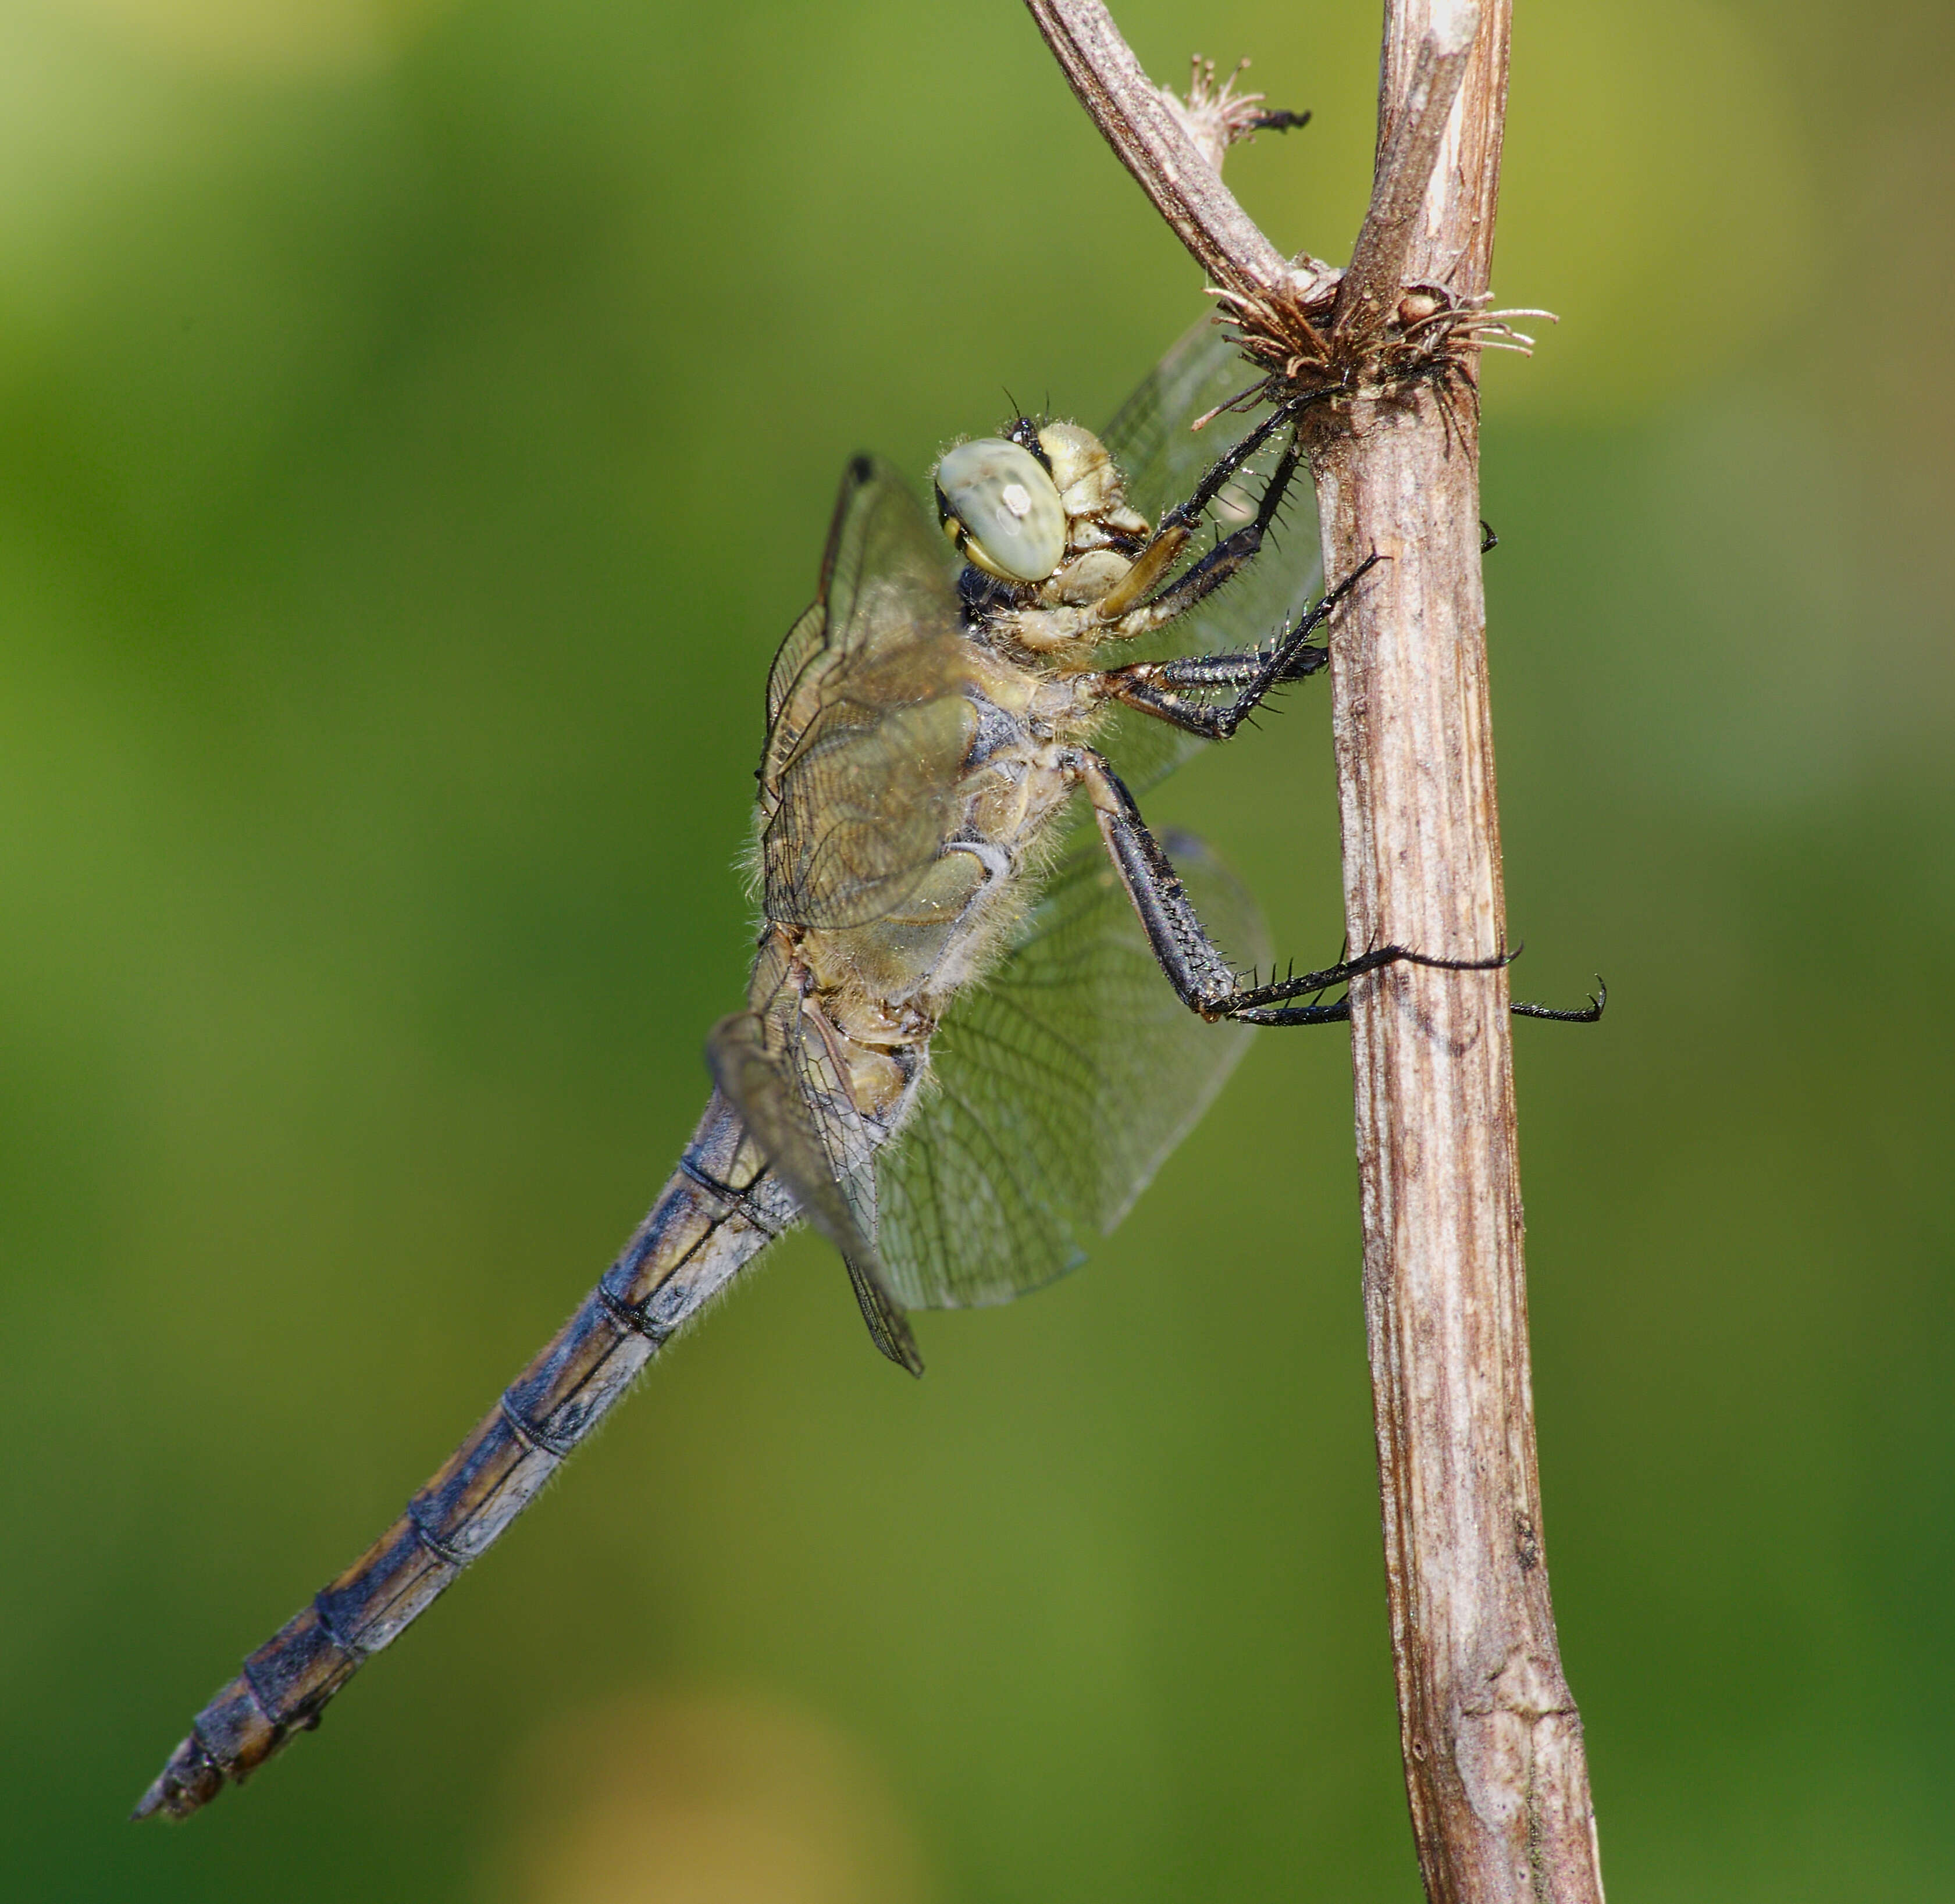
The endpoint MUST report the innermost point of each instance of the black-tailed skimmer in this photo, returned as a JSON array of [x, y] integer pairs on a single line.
[[986, 1002]]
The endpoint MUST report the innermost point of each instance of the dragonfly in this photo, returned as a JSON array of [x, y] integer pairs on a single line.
[[987, 999]]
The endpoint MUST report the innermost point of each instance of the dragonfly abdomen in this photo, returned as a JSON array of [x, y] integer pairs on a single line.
[[702, 1231]]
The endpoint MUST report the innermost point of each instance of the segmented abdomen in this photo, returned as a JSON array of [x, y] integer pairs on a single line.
[[703, 1230]]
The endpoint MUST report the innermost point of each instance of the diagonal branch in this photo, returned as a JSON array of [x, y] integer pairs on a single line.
[[1149, 140]]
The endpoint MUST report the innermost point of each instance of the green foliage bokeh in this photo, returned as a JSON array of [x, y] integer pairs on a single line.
[[417, 425]]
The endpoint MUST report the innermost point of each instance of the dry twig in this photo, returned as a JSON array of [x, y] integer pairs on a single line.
[[1494, 1764]]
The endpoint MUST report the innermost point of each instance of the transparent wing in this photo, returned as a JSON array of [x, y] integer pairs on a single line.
[[868, 724], [1164, 459], [1059, 1087], [887, 581], [863, 808], [804, 640], [774, 1067]]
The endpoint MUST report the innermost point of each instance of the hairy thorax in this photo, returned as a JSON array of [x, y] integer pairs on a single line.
[[981, 727], [894, 977]]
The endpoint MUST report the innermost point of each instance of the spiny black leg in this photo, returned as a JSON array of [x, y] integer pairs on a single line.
[[1337, 1012], [1187, 514], [1250, 998], [1227, 560], [1161, 688], [1134, 594], [1238, 670], [1588, 1014], [1201, 976], [1340, 1010], [1194, 965]]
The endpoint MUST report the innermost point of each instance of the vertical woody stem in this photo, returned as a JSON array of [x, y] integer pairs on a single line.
[[1494, 1764]]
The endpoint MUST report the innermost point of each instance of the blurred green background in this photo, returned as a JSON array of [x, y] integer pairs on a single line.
[[418, 423]]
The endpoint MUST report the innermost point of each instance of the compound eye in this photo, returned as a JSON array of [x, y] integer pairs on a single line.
[[999, 506]]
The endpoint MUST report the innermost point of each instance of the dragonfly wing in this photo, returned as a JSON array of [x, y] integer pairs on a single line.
[[862, 809], [1059, 1087], [805, 640], [888, 575], [1164, 459], [886, 582], [775, 1068], [868, 724]]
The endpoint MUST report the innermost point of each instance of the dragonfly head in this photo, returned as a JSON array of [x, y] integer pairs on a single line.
[[1017, 506]]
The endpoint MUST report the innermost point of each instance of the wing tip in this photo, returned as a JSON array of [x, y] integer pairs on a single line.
[[888, 1329]]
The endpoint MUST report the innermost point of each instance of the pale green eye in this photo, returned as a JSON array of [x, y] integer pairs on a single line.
[[998, 505]]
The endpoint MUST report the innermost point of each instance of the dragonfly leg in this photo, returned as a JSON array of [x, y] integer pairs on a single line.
[[1188, 514], [1588, 1014], [1338, 1010], [1166, 689], [1196, 967], [1128, 610]]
